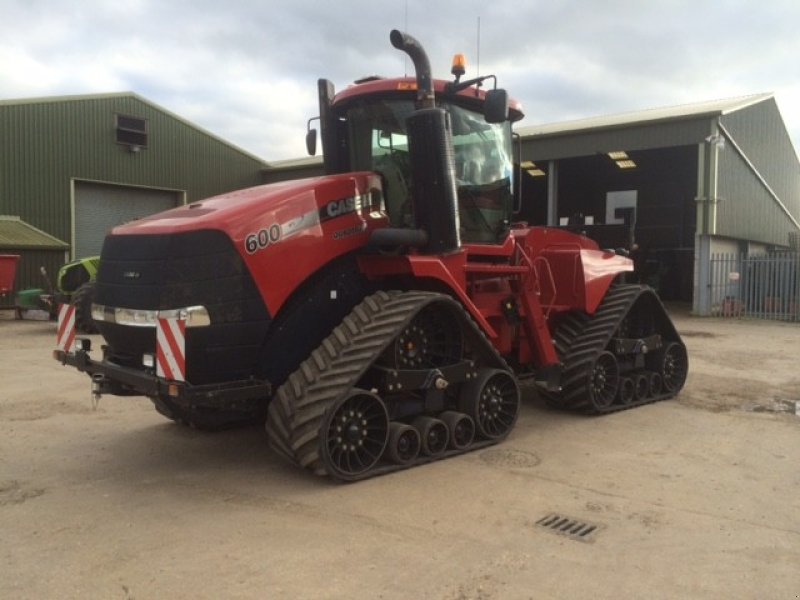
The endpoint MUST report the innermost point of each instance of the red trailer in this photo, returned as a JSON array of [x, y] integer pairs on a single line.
[[8, 270]]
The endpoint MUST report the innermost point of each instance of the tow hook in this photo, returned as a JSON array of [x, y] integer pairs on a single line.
[[97, 386]]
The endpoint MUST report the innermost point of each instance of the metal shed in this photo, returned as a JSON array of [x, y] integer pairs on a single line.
[[75, 166], [36, 249], [704, 178]]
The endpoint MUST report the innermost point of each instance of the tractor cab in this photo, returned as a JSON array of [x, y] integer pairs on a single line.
[[365, 128], [378, 141]]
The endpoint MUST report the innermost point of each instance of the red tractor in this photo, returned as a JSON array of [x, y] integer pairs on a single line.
[[383, 315]]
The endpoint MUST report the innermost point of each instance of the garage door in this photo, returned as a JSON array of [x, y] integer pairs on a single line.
[[100, 207]]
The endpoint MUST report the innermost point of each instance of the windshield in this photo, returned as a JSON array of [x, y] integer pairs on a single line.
[[377, 142]]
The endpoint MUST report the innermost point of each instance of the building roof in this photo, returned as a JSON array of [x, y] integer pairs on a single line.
[[710, 108], [108, 96], [295, 163], [16, 234]]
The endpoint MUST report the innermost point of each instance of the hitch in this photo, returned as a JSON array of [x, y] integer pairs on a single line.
[[99, 384]]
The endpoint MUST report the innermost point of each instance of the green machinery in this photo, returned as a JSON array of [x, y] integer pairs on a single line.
[[74, 285]]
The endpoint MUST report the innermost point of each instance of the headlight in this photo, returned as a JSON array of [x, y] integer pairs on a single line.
[[195, 316]]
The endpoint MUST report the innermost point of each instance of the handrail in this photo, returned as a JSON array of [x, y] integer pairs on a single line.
[[547, 306], [537, 286]]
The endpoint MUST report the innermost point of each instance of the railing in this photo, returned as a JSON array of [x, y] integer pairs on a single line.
[[759, 286]]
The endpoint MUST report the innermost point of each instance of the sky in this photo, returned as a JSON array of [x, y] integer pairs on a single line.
[[246, 70]]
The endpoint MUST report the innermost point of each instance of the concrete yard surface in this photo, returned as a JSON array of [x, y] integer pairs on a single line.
[[696, 497]]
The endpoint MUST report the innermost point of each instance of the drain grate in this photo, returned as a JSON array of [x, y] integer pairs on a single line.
[[583, 531]]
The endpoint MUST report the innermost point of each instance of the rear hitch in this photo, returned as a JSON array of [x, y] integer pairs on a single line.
[[99, 385]]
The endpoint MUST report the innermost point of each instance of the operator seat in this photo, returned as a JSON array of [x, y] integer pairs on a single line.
[[396, 190]]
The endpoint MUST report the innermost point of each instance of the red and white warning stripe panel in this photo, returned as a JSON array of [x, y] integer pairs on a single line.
[[171, 349], [65, 338]]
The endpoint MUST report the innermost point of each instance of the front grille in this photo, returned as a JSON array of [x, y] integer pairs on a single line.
[[163, 272]]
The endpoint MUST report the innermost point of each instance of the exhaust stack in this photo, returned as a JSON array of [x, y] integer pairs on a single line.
[[430, 146], [422, 66]]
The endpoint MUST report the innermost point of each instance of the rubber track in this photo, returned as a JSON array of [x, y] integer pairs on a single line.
[[570, 327], [297, 411], [593, 339]]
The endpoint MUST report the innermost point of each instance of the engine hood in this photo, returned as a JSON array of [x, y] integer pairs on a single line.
[[284, 231], [239, 209]]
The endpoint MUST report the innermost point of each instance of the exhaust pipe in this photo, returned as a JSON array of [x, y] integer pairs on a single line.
[[422, 66], [430, 145]]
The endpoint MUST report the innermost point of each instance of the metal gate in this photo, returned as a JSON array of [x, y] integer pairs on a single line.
[[761, 286]]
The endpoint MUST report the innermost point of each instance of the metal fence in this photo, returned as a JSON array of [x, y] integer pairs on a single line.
[[760, 286]]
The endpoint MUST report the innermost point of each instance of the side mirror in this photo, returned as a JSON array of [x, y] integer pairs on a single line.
[[311, 142], [495, 106]]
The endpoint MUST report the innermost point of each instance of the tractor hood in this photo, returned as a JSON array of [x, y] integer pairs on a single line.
[[283, 231], [238, 210]]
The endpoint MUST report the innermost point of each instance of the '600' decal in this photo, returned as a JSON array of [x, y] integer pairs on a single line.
[[262, 238]]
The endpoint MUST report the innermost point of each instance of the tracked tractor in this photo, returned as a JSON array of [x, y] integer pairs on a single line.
[[383, 315]]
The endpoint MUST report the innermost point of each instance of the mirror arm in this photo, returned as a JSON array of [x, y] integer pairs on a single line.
[[455, 87]]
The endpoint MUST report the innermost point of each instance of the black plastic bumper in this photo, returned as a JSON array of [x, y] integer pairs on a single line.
[[111, 378]]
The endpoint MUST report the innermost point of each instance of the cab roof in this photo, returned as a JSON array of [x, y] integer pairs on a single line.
[[471, 97]]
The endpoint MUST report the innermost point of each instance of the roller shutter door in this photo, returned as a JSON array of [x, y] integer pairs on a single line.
[[100, 207]]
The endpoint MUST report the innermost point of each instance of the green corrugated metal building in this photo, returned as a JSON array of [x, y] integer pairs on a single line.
[[75, 166]]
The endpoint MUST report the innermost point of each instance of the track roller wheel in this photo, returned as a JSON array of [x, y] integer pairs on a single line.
[[433, 434], [642, 389], [355, 434], [603, 380], [461, 428], [492, 401], [432, 339], [627, 390], [404, 443], [656, 383], [673, 366]]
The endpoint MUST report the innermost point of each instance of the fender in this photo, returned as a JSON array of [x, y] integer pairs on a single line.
[[576, 272]]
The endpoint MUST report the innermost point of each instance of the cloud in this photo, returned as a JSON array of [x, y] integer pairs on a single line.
[[247, 70]]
